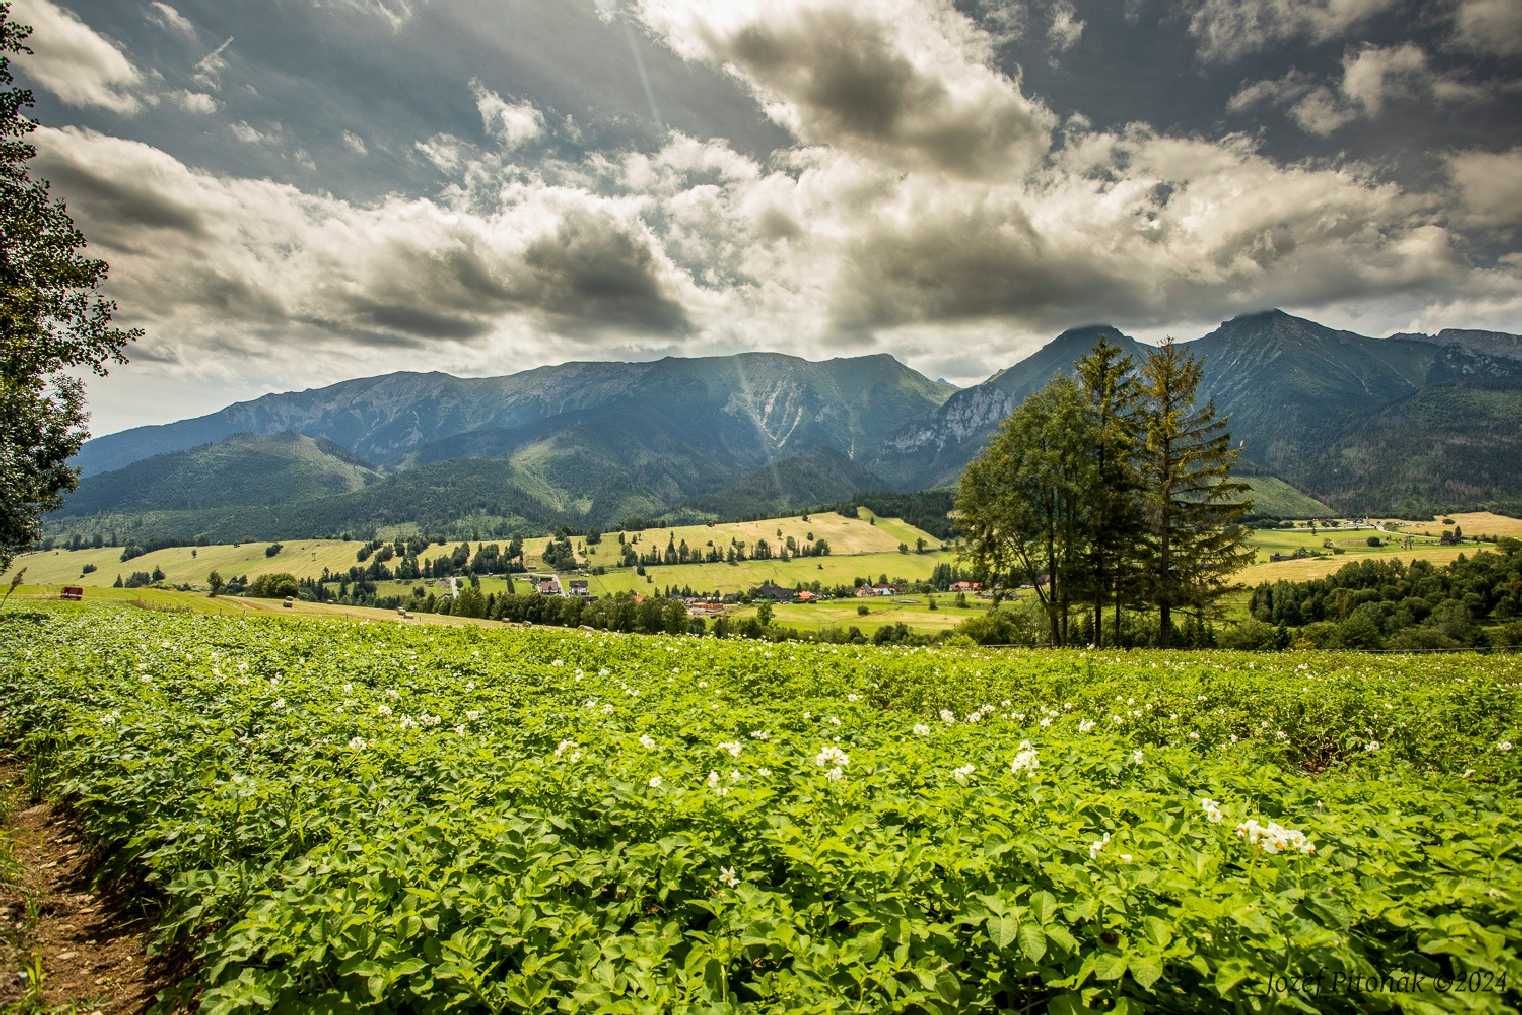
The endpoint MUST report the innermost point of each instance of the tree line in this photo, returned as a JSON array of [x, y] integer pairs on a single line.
[[1110, 493]]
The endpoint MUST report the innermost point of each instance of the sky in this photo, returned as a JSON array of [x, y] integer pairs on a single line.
[[295, 192]]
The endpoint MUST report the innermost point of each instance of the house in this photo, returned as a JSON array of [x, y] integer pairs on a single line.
[[772, 593], [704, 608], [966, 586], [884, 590], [579, 588], [72, 592], [547, 585], [805, 596]]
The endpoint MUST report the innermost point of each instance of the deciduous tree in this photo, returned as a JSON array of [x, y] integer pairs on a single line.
[[52, 319]]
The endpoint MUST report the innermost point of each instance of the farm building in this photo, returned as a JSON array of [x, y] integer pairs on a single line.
[[965, 586], [772, 593]]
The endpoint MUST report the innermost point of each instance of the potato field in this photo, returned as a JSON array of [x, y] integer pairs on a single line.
[[331, 816]]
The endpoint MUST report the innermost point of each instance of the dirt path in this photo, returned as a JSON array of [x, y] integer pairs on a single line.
[[92, 958]]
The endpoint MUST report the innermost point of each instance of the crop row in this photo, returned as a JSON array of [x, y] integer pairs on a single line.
[[335, 816]]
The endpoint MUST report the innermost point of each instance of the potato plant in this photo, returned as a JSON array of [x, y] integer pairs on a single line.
[[337, 817]]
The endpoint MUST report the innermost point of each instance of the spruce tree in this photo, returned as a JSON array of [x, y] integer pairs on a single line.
[[1191, 507], [1110, 386]]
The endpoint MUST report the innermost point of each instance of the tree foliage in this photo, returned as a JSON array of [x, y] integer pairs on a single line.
[[52, 320], [1113, 489]]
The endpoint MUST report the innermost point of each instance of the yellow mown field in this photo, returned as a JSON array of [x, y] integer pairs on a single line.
[[1474, 523]]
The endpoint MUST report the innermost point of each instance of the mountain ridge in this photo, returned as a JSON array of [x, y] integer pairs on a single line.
[[1321, 408]]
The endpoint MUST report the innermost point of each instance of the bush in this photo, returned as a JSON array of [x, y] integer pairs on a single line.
[[861, 610], [1254, 636], [1372, 541], [273, 549], [274, 586]]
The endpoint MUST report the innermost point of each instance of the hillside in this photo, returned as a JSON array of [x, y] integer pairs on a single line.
[[278, 468], [579, 444], [1329, 421], [1358, 423]]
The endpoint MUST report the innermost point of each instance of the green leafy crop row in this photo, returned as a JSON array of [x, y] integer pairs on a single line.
[[333, 817]]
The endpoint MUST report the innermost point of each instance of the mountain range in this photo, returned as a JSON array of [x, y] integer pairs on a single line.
[[1411, 424]]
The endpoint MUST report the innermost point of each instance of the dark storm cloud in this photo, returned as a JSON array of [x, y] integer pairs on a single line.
[[594, 275], [120, 206], [852, 83]]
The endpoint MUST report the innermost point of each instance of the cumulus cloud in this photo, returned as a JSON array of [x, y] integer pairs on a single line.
[[447, 153], [1489, 26], [76, 63], [1228, 29], [1066, 28], [171, 20], [245, 266], [195, 102], [911, 83], [1372, 76], [249, 134], [513, 124], [1490, 185], [355, 143]]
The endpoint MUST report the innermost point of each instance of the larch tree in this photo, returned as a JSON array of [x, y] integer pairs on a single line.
[[1191, 506], [52, 320]]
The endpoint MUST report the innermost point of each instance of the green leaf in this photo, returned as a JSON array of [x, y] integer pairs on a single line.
[[1110, 966], [1032, 941]]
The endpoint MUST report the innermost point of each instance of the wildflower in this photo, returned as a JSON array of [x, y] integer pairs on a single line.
[[564, 746], [1212, 810], [1371, 746], [728, 878], [732, 747], [920, 729], [962, 774], [1504, 746], [1274, 838], [853, 698], [1137, 757], [655, 782], [1025, 761], [1097, 845], [647, 741], [1085, 725], [832, 756], [358, 743]]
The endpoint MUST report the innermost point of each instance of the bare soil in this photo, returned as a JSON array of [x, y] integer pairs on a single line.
[[92, 955]]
